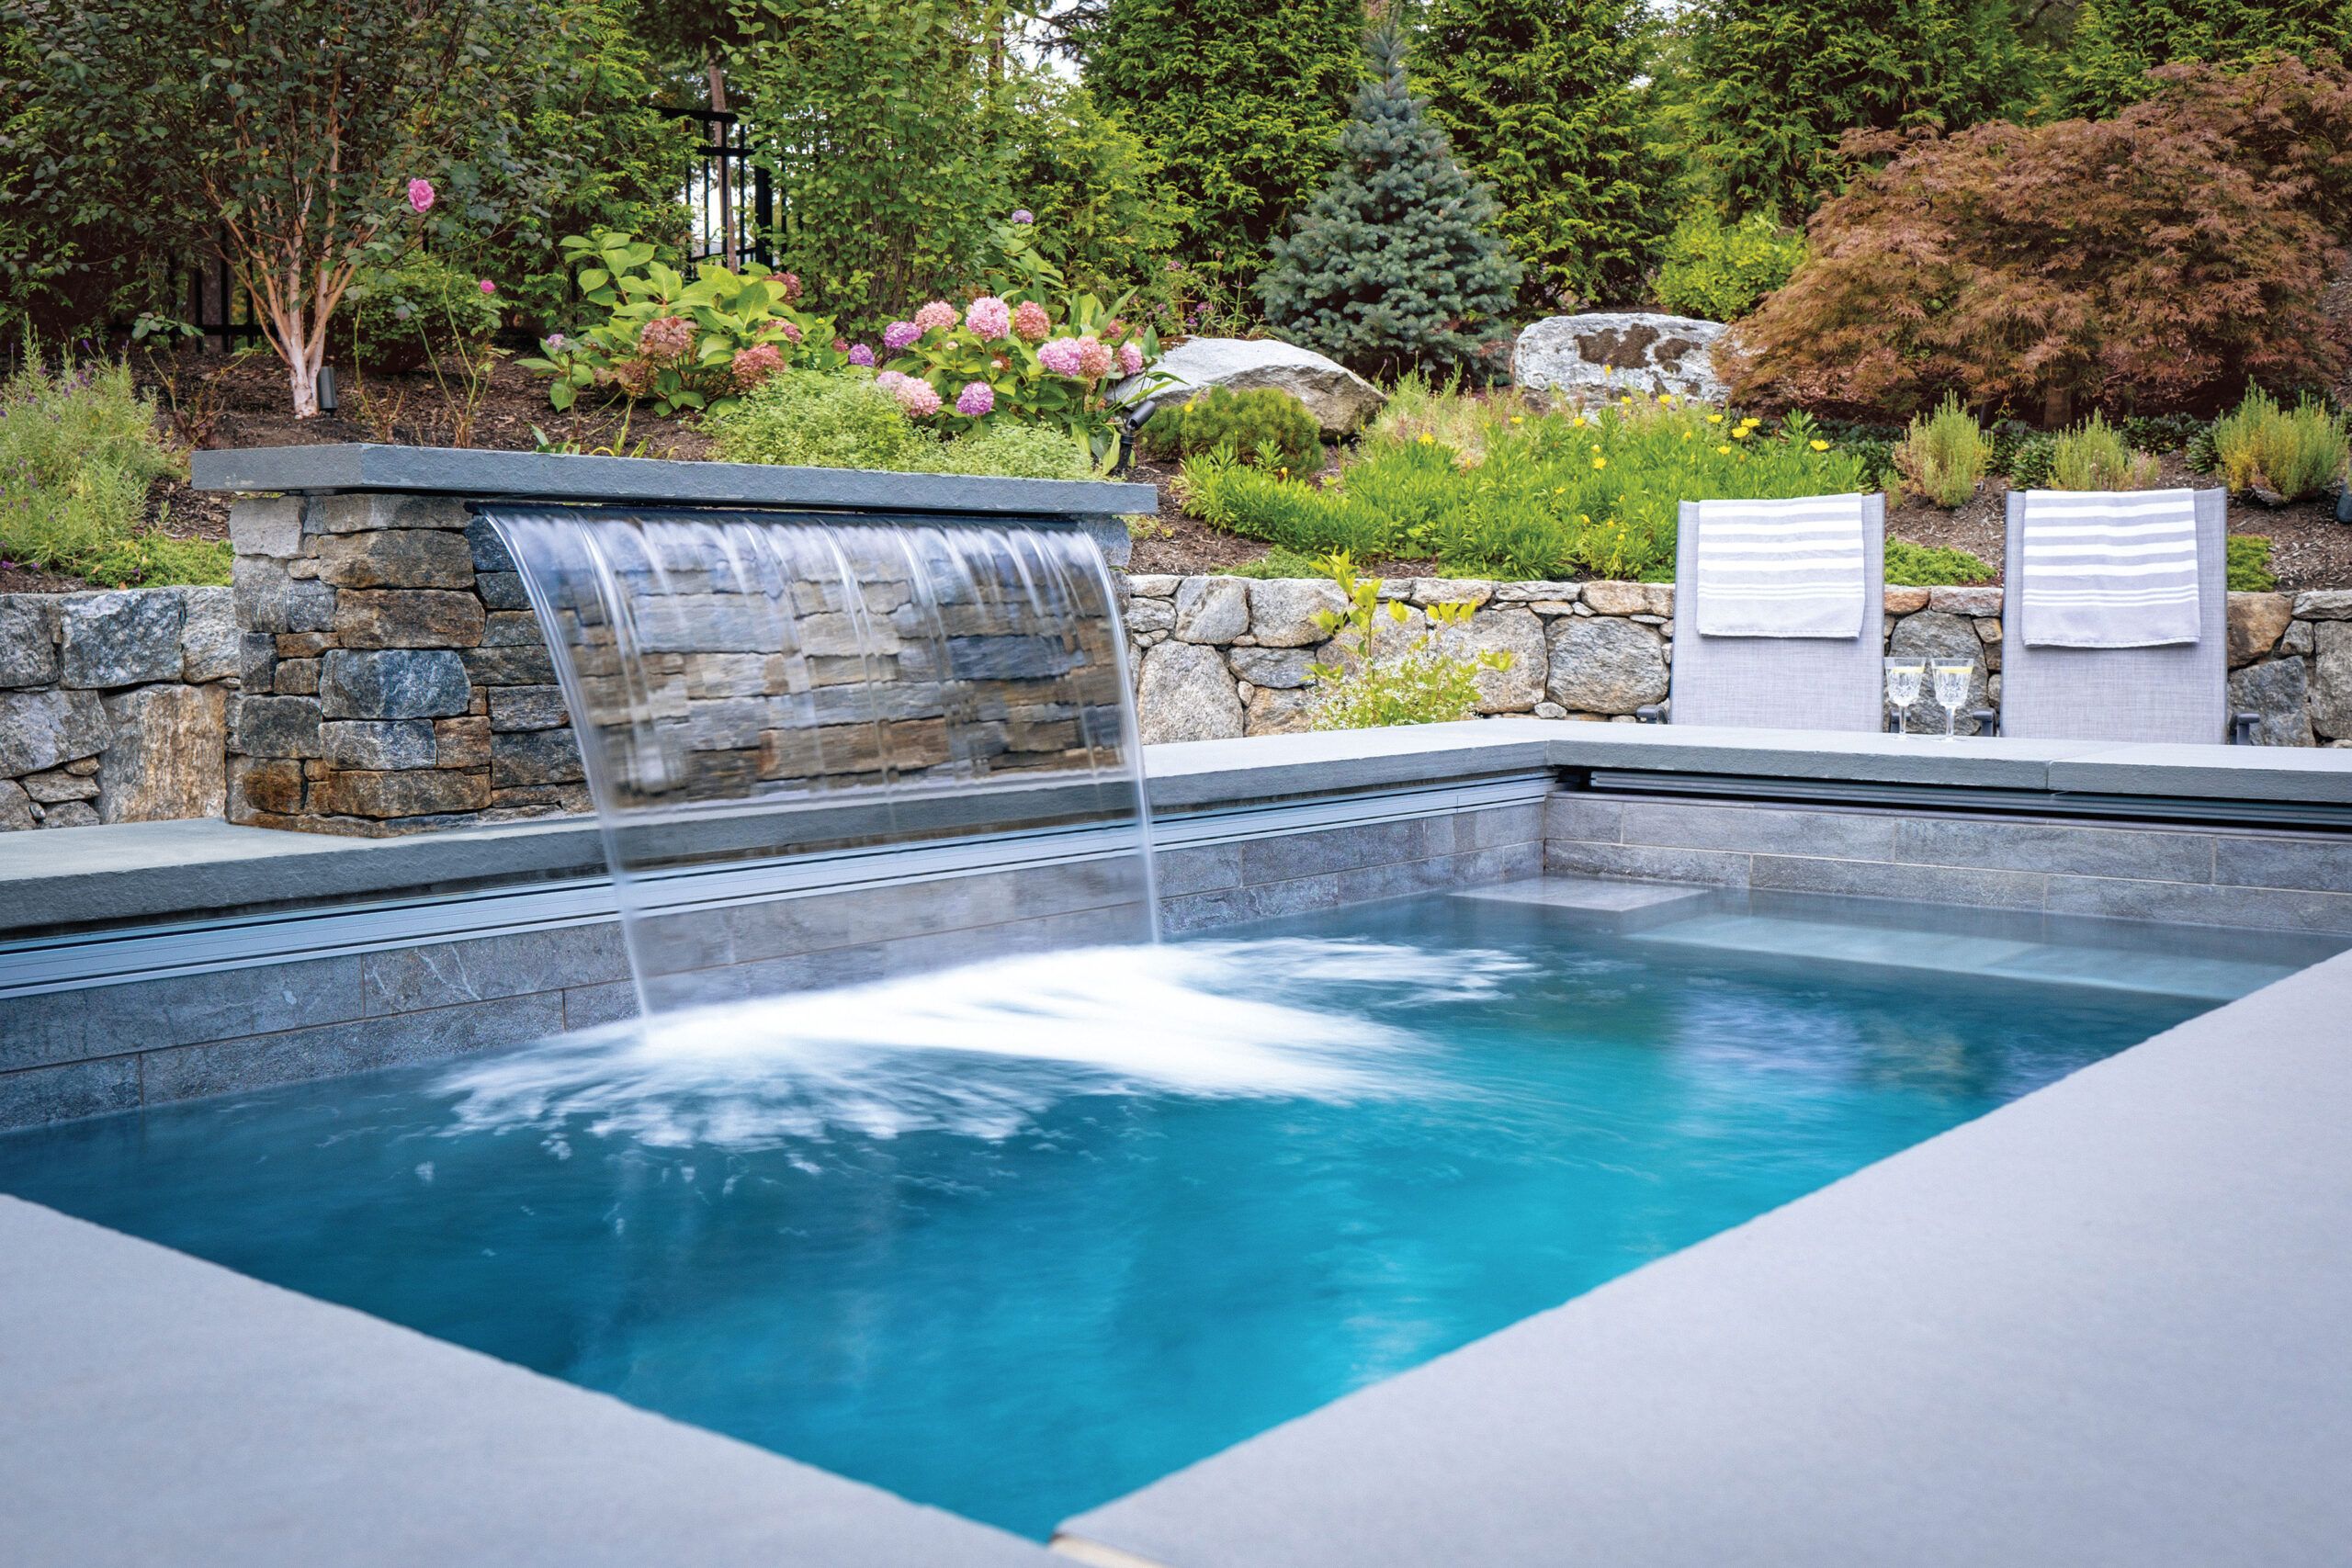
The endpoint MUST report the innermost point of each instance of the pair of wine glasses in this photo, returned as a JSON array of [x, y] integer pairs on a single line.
[[1948, 679]]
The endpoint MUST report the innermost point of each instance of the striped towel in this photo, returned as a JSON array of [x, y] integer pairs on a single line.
[[2110, 571], [1781, 568]]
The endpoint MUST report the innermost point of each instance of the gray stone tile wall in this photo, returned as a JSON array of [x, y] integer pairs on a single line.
[[2274, 880]]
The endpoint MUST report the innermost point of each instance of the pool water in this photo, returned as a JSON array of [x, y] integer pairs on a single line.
[[1019, 1238]]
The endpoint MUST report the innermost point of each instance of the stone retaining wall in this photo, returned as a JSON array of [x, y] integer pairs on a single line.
[[1218, 657], [113, 704]]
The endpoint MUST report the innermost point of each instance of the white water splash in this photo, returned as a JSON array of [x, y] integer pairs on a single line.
[[983, 1049]]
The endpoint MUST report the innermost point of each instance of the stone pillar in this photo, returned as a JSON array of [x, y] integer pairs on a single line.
[[394, 679]]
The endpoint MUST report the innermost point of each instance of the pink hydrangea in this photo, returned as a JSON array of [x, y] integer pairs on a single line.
[[1094, 357], [938, 313], [756, 365], [977, 401], [420, 195], [862, 354], [791, 331], [666, 339], [915, 394], [789, 282], [898, 335], [1030, 323], [988, 317], [1061, 356], [1131, 358], [1023, 216]]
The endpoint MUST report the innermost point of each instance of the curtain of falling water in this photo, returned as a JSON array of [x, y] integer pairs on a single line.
[[766, 702]]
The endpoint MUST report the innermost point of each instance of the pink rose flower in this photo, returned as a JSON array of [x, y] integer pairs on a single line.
[[938, 313], [989, 317], [488, 287], [1030, 323], [420, 195], [976, 399]]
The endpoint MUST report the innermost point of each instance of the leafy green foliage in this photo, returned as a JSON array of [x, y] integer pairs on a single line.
[[1375, 677], [1238, 101], [674, 344], [282, 137], [1541, 102], [2249, 564], [1105, 218], [1922, 566], [1717, 271], [399, 318], [1776, 82], [2032, 461], [808, 419], [2095, 455], [2117, 43], [1944, 456], [1553, 496], [1395, 263], [78, 451], [1277, 562], [2049, 268], [1263, 425], [2287, 454]]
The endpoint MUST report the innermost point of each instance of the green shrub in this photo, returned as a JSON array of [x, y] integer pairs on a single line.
[[2094, 456], [1380, 675], [1012, 450], [1718, 272], [807, 419], [2287, 454], [397, 318], [1395, 264], [2032, 461], [78, 451], [1263, 425], [2162, 431], [1922, 566], [2248, 563], [1942, 456], [1276, 562], [1550, 495]]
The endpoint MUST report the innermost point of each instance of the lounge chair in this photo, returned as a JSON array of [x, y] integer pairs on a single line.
[[1778, 682], [2176, 691]]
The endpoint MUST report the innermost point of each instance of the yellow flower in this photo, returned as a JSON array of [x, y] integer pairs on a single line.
[[1723, 451], [1714, 419], [1627, 401], [1577, 421], [1740, 434], [1601, 462], [1517, 419], [1427, 439], [1821, 446], [1562, 490], [1686, 435], [1667, 398]]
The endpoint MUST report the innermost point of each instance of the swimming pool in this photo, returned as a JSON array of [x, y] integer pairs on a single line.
[[1017, 1238]]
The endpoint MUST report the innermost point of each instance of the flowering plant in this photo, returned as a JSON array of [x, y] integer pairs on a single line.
[[1026, 347], [675, 343]]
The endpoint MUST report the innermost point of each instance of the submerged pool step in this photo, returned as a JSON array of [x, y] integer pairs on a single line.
[[1611, 906], [2108, 968]]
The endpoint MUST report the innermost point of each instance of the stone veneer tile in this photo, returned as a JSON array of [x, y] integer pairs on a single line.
[[2270, 909], [110, 1020], [1849, 835], [39, 1095], [1233, 906], [1283, 856], [513, 963], [1720, 868], [1578, 816], [1877, 879], [2318, 864], [586, 1007], [1487, 827], [2012, 845], [186, 1072], [1196, 868]]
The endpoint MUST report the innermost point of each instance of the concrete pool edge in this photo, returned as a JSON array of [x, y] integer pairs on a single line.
[[2102, 1323]]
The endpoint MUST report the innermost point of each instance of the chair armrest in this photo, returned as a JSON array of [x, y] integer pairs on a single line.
[[1988, 720], [1650, 713], [2242, 728]]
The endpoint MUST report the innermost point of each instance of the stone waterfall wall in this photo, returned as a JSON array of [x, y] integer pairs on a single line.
[[1217, 657], [113, 704]]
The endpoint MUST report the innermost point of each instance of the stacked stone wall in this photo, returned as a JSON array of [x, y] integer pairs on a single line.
[[113, 705]]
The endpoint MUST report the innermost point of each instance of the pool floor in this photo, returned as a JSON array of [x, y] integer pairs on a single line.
[[1017, 1239]]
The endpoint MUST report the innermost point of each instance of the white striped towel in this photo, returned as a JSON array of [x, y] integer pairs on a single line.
[[1781, 568], [2113, 570]]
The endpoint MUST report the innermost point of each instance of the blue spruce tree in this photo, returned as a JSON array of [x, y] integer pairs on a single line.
[[1395, 264]]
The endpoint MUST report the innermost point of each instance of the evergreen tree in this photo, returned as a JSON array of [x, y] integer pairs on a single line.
[[1396, 263], [1776, 83], [1541, 101], [1238, 101], [2117, 42]]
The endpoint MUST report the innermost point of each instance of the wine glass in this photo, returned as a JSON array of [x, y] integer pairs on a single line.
[[1904, 675], [1951, 678]]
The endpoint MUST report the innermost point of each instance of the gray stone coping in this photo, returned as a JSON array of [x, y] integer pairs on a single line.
[[651, 481], [160, 869], [175, 1412], [2104, 1324]]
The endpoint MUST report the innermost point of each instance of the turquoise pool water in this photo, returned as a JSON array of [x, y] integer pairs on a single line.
[[1017, 1239]]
